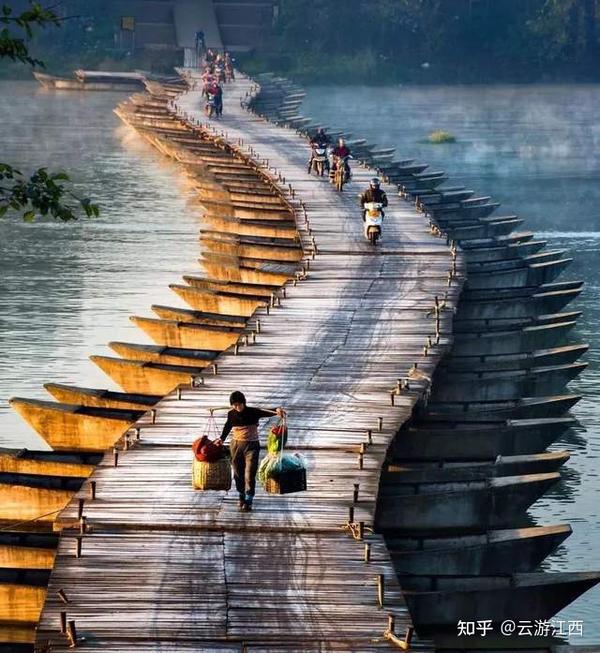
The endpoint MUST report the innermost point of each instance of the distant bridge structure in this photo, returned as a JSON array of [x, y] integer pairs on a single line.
[[234, 25]]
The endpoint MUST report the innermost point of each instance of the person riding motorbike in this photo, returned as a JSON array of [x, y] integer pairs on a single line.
[[229, 72], [373, 194], [319, 140], [214, 96], [341, 153]]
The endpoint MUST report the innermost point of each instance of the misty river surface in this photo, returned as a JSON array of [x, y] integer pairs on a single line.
[[67, 290]]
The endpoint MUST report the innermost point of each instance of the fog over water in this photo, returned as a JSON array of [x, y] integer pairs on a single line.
[[67, 290]]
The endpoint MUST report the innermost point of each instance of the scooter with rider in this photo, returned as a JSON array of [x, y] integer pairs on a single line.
[[372, 202]]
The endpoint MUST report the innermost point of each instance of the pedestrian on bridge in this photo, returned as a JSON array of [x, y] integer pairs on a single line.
[[245, 446]]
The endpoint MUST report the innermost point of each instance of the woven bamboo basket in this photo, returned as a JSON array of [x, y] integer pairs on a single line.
[[211, 476], [287, 482]]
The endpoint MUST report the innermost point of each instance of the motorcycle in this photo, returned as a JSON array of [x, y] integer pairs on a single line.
[[319, 159], [373, 213], [211, 105], [341, 174]]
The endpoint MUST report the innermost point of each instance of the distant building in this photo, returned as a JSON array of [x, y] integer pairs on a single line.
[[234, 25]]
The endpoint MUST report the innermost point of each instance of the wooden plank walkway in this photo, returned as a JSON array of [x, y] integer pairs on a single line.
[[164, 567]]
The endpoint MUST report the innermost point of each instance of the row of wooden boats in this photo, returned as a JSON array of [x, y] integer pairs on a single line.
[[504, 380], [462, 473], [245, 265]]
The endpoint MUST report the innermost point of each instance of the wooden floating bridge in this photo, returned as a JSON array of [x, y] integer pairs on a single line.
[[295, 308], [348, 348]]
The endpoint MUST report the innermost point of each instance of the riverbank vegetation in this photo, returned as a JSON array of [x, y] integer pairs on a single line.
[[433, 41], [366, 41]]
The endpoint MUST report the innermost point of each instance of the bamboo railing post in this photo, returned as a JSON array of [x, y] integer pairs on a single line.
[[380, 589], [72, 634], [62, 596], [367, 555], [63, 622], [355, 494], [92, 487], [361, 530]]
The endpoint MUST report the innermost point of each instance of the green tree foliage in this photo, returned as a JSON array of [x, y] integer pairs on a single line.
[[42, 193], [463, 40]]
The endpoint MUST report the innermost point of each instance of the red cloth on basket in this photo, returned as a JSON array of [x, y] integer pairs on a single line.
[[207, 451]]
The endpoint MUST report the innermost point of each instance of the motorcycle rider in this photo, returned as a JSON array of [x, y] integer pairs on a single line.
[[320, 139], [341, 152], [373, 194]]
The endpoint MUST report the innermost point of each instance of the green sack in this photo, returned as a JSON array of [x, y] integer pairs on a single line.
[[277, 437]]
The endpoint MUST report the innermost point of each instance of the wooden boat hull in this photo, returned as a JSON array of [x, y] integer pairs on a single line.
[[18, 462], [217, 268], [511, 261], [21, 604], [528, 292], [248, 228], [491, 254], [188, 335], [202, 300], [68, 84], [234, 248], [525, 408], [514, 341], [532, 275], [166, 355], [500, 324], [542, 303], [399, 475], [477, 441], [26, 557], [499, 385], [67, 426], [516, 598], [100, 398], [564, 355], [20, 502], [27, 550], [495, 552], [231, 287], [446, 216], [198, 317], [246, 212], [497, 503], [142, 377], [484, 229]]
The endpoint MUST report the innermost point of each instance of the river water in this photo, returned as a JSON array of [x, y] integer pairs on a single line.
[[66, 290]]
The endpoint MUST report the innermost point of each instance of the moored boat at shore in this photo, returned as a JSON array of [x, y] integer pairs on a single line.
[[85, 80]]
